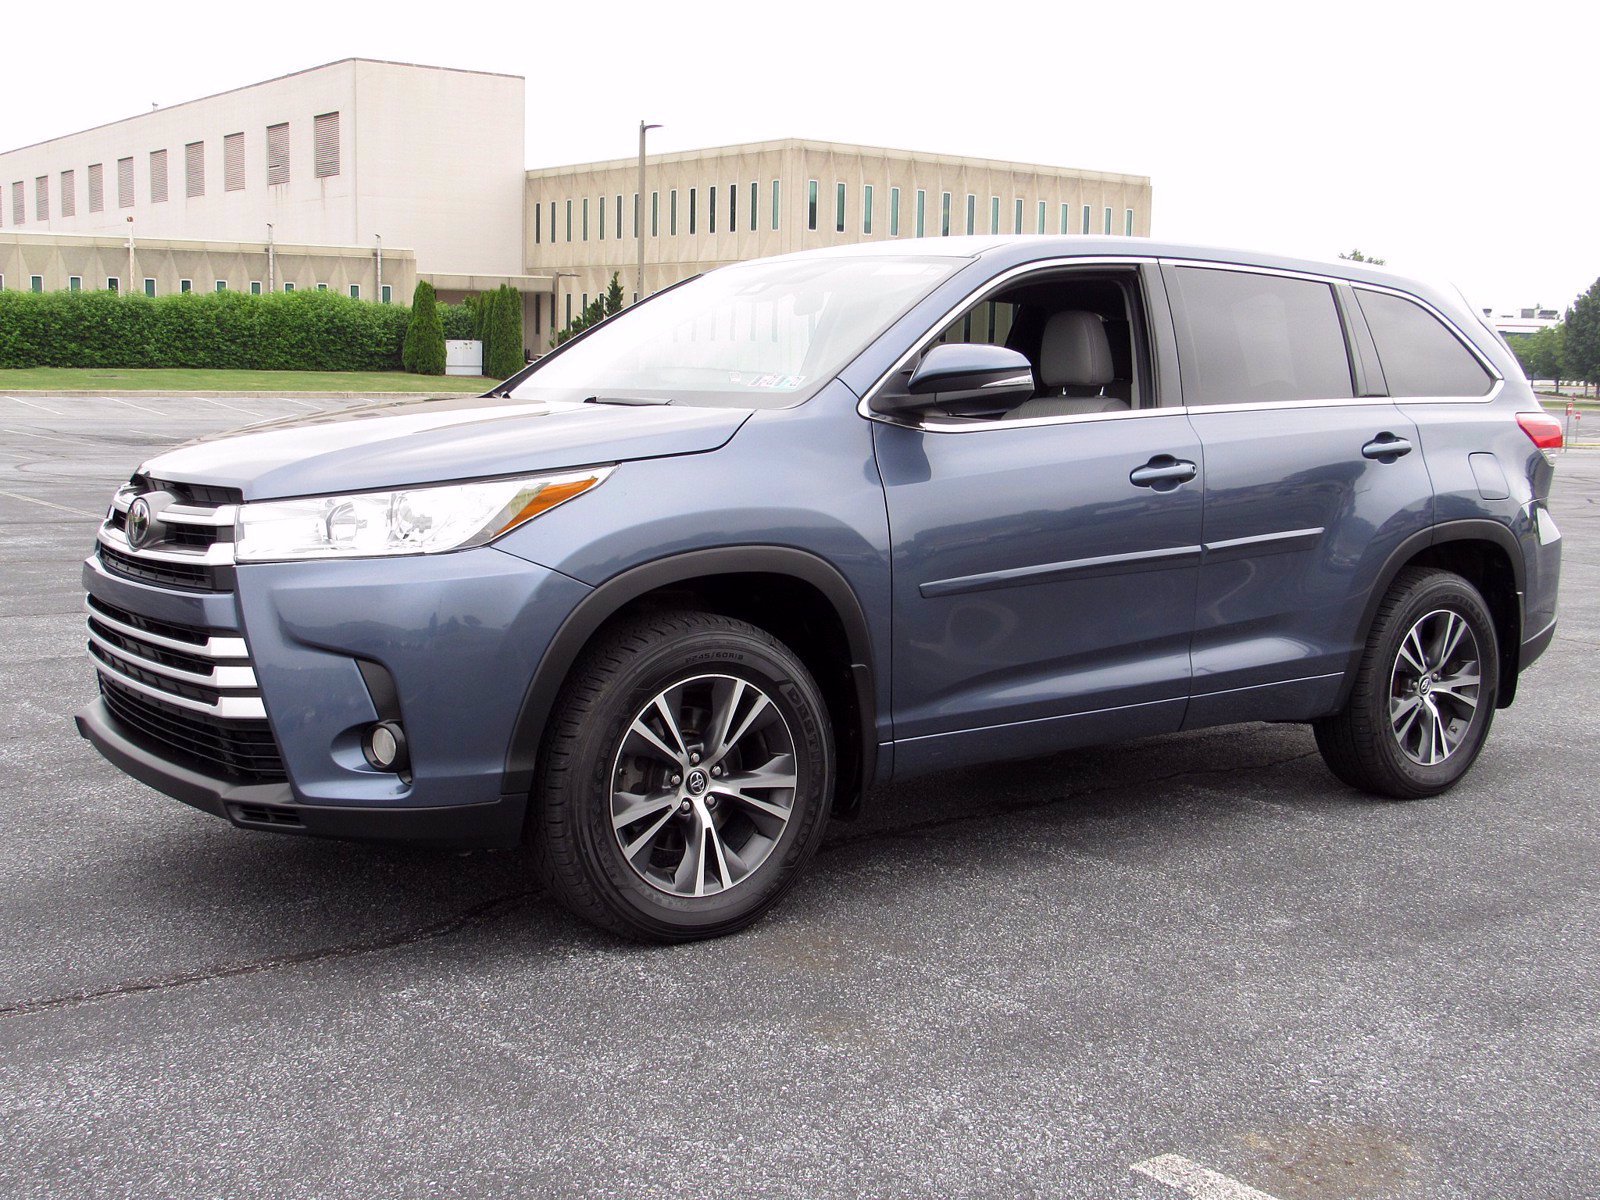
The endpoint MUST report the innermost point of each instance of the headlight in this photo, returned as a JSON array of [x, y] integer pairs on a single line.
[[423, 520]]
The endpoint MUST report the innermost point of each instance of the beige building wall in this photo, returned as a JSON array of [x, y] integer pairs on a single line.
[[674, 250], [161, 266], [428, 158]]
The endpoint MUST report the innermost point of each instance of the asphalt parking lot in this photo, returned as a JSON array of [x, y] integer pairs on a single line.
[[1012, 982]]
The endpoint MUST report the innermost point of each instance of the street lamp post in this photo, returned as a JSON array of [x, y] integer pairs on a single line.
[[638, 216]]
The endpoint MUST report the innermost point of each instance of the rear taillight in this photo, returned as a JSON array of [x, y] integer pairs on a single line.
[[1543, 430]]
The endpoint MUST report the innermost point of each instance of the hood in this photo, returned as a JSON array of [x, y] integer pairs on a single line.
[[434, 441]]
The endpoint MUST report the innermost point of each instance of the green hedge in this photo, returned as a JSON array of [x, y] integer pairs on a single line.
[[296, 331]]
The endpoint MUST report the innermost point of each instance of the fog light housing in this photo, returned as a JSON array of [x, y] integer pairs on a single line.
[[385, 747]]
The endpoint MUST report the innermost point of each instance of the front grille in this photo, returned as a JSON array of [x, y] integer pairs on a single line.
[[237, 749], [192, 577]]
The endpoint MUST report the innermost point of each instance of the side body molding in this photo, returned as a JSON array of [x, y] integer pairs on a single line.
[[611, 596]]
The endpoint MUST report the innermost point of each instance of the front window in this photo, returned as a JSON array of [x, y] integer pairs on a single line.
[[753, 335]]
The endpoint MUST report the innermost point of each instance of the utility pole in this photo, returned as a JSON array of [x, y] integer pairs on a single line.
[[638, 216]]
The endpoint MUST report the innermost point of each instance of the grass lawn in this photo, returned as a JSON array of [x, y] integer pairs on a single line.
[[65, 379]]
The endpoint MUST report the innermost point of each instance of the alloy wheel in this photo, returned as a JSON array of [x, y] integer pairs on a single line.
[[1434, 687]]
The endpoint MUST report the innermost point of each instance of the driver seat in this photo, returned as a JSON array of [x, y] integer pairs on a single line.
[[1075, 366]]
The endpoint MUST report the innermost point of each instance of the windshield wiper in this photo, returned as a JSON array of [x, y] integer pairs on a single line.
[[627, 401]]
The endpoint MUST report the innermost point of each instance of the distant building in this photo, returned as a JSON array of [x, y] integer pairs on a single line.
[[1522, 321], [362, 177]]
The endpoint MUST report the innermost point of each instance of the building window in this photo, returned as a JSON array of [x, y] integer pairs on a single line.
[[75, 283], [693, 198], [585, 218], [1016, 215], [355, 291], [672, 214], [655, 214], [255, 287], [994, 214], [1127, 223], [922, 210], [569, 220], [36, 283], [113, 284], [1087, 218], [158, 177], [233, 163], [194, 170], [1041, 216], [569, 308], [866, 209], [325, 131], [387, 293], [838, 208], [1108, 220], [69, 193], [894, 212], [321, 287], [125, 183], [638, 227], [538, 223], [776, 205], [222, 285], [602, 218], [944, 214], [972, 214], [41, 198], [733, 208], [1066, 218], [711, 209], [288, 287], [553, 223], [755, 202], [97, 187], [149, 286], [185, 286], [277, 154], [811, 204]]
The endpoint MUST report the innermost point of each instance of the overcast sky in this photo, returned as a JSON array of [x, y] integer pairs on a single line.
[[1455, 140]]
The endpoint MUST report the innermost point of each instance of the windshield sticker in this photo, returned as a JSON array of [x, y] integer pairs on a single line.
[[774, 382]]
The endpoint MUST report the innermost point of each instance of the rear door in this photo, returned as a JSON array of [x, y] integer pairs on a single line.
[[1310, 486]]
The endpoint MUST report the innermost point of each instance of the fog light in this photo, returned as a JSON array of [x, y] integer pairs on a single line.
[[385, 746]]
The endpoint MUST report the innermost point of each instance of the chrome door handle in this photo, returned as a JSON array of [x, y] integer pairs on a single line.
[[1163, 472], [1386, 447]]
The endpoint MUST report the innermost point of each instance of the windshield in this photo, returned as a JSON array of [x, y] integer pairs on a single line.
[[754, 335]]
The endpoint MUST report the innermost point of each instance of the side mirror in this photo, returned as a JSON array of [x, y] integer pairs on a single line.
[[962, 371]]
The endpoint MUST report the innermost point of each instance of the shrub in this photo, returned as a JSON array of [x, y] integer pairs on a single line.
[[300, 331], [423, 353], [503, 355], [459, 322]]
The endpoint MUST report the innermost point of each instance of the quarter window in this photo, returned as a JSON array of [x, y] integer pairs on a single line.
[[1251, 338], [1420, 356]]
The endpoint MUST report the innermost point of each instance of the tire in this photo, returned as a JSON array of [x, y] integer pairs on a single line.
[[728, 799], [1414, 723]]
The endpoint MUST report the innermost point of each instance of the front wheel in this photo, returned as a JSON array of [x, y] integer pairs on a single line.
[[684, 778], [1424, 693]]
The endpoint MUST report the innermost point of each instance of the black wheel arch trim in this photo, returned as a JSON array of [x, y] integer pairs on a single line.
[[1449, 531], [610, 597]]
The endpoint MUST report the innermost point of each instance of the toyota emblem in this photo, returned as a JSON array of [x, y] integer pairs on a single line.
[[138, 522]]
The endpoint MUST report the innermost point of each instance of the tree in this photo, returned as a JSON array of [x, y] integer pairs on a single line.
[[1357, 256], [423, 352], [502, 353], [1541, 353], [594, 312], [1580, 351]]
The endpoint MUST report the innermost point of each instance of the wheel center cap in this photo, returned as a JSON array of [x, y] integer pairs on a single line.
[[696, 781], [1424, 685]]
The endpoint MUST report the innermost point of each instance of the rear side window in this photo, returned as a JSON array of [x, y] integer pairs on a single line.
[[1251, 339], [1420, 356]]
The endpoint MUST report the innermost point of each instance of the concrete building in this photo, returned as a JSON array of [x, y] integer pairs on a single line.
[[1520, 322], [362, 177], [707, 208]]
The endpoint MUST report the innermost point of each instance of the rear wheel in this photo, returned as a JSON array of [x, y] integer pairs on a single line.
[[684, 778], [1424, 694]]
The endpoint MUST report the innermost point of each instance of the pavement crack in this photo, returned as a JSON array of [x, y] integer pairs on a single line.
[[410, 937], [922, 829]]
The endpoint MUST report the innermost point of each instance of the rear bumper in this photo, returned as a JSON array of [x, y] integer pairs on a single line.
[[1536, 645], [272, 806]]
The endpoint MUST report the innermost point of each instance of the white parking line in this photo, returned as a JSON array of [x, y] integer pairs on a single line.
[[1189, 1178], [153, 411], [77, 512], [249, 412], [44, 437], [40, 407]]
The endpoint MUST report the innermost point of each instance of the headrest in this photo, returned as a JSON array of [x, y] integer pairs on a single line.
[[1075, 352]]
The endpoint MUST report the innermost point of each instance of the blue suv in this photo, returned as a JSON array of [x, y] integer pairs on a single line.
[[694, 582]]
